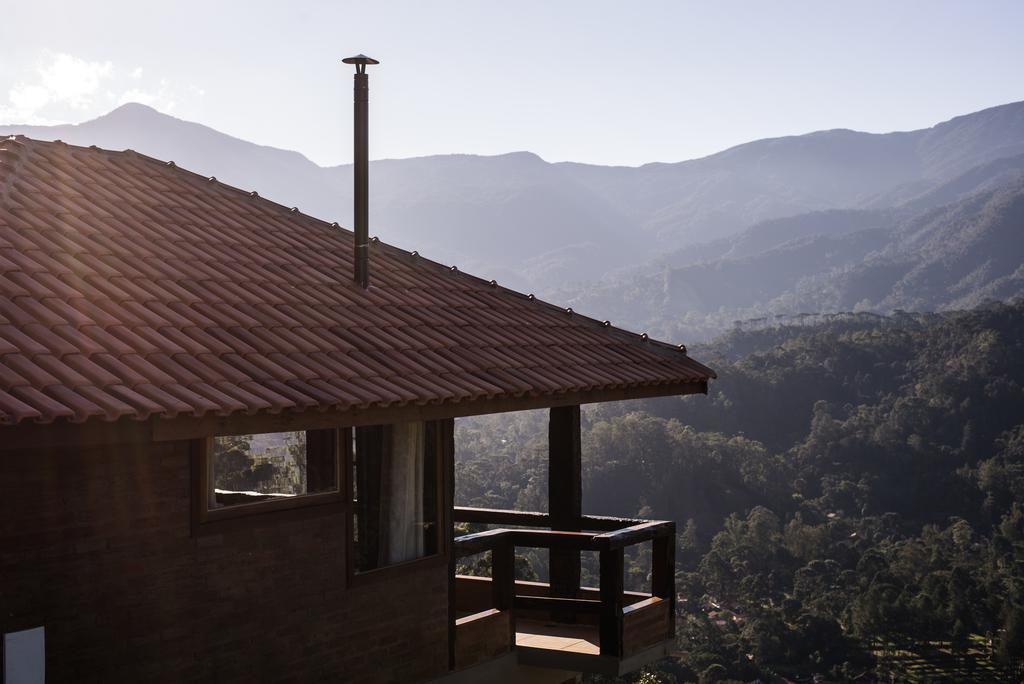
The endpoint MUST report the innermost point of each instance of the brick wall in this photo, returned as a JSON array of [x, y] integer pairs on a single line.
[[95, 545]]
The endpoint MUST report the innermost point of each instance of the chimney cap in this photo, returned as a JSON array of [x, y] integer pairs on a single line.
[[360, 59]]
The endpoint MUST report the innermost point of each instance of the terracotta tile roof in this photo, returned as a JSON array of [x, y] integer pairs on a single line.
[[132, 288]]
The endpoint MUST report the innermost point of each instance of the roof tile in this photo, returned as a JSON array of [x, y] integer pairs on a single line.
[[130, 288]]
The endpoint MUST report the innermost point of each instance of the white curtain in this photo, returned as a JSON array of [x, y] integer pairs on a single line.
[[404, 481]]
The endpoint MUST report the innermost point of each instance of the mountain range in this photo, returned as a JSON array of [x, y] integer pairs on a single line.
[[956, 246], [830, 220]]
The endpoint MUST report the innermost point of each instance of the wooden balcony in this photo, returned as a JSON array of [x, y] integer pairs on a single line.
[[604, 630]]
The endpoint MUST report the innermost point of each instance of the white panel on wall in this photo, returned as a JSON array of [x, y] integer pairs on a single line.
[[25, 657]]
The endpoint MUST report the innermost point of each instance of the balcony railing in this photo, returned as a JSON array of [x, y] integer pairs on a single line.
[[624, 623]]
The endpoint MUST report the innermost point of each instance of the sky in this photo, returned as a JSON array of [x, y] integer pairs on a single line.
[[571, 80]]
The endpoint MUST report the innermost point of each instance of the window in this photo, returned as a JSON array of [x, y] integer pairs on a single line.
[[395, 476], [259, 472]]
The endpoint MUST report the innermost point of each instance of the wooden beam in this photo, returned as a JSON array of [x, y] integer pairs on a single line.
[[565, 494], [633, 535], [447, 443], [500, 516], [564, 605], [187, 427], [503, 580], [482, 615], [469, 544], [478, 542], [607, 523], [494, 516], [554, 540], [610, 629], [663, 574]]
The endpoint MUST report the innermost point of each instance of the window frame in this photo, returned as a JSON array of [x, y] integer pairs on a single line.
[[441, 554], [206, 519]]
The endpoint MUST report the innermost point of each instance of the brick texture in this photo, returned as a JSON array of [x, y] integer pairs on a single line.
[[97, 547]]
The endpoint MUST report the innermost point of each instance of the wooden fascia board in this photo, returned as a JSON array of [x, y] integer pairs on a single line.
[[190, 428], [95, 432]]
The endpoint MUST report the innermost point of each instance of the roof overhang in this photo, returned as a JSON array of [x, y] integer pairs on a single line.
[[96, 432]]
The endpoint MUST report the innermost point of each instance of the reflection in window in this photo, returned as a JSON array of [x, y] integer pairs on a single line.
[[396, 510], [248, 469]]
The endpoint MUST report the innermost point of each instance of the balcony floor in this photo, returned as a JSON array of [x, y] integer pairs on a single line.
[[574, 648], [554, 636]]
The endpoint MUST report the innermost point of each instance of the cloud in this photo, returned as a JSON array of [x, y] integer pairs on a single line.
[[61, 80], [29, 98], [63, 86], [73, 80]]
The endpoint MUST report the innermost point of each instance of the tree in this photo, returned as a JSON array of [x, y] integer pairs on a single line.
[[713, 673], [1010, 650], [232, 463], [960, 640]]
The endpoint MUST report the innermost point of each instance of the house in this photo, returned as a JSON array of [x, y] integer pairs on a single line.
[[222, 459]]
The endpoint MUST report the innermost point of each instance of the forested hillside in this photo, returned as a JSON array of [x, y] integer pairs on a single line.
[[850, 487], [951, 248]]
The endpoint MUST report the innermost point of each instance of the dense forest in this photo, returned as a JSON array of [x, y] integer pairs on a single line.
[[848, 497]]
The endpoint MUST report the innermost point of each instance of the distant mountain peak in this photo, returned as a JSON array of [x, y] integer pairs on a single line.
[[522, 154], [131, 107], [133, 112]]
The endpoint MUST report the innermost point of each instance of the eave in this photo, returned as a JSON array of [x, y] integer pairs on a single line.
[[95, 432]]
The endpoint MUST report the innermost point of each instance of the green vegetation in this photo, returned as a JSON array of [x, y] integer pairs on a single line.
[[266, 463], [850, 497]]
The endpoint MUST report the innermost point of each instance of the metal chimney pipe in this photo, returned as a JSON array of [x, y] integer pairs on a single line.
[[361, 169]]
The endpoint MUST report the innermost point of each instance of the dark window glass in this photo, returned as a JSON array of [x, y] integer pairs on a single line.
[[248, 469], [395, 472]]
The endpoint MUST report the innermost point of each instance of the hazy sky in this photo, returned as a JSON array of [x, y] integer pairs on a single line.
[[595, 81]]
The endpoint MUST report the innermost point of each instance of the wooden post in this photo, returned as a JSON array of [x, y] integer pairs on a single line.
[[502, 573], [503, 581], [663, 574], [565, 495], [611, 602], [446, 440]]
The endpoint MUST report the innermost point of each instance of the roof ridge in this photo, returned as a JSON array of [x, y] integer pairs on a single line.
[[9, 168], [605, 325], [194, 176]]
